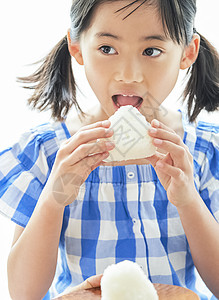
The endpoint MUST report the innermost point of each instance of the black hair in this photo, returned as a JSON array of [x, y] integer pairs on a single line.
[[202, 90], [54, 84]]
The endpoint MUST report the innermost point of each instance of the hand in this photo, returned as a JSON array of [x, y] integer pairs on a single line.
[[174, 169], [90, 283], [76, 158]]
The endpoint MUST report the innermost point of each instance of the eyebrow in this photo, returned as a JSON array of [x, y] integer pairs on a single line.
[[106, 34], [158, 37]]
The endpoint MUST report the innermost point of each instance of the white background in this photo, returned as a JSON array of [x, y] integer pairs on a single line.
[[29, 29]]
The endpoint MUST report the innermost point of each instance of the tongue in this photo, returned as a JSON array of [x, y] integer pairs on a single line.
[[126, 100]]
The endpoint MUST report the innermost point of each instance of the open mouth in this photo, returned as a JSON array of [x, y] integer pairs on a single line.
[[121, 100]]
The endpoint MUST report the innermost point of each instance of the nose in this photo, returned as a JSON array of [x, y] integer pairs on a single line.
[[129, 71]]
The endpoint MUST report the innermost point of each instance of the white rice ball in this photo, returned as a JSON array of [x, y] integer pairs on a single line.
[[126, 281], [130, 135]]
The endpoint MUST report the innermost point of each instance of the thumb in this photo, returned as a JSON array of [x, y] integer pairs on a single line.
[[93, 281], [154, 158]]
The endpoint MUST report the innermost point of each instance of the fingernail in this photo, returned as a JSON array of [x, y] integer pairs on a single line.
[[153, 130], [105, 154], [110, 145], [158, 142], [109, 132], [106, 122], [156, 123]]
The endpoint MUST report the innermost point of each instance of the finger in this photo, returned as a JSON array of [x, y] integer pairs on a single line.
[[86, 136], [85, 166], [86, 150], [92, 162], [178, 152], [94, 281], [166, 135], [167, 159], [91, 282], [154, 158], [105, 124], [168, 169], [99, 163], [157, 124]]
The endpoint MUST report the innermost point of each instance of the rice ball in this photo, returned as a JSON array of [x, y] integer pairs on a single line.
[[126, 281], [130, 136]]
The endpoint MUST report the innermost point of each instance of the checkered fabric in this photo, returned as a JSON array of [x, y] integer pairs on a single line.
[[120, 213]]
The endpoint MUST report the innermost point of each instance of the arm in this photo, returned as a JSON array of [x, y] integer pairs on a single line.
[[202, 232], [33, 257], [175, 171], [32, 260]]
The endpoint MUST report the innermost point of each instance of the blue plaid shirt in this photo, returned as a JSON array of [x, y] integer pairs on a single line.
[[120, 213]]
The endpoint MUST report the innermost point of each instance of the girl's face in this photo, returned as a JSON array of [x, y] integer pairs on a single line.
[[129, 61]]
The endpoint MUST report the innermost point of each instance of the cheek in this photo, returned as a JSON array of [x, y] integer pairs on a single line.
[[95, 79], [169, 79], [98, 74], [166, 78], [93, 73]]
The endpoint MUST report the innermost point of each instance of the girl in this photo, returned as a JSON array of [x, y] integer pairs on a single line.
[[76, 214]]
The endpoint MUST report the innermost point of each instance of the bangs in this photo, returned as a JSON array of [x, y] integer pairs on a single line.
[[177, 16], [173, 18]]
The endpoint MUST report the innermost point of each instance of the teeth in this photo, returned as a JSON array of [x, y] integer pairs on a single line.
[[128, 95]]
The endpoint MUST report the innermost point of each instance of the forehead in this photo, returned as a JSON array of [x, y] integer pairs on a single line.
[[127, 7], [136, 17]]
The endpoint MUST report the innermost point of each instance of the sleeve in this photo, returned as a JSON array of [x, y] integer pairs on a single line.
[[23, 173], [209, 174]]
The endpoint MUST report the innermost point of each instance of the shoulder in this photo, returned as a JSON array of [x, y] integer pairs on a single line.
[[49, 131], [36, 146], [200, 135], [25, 167], [202, 138], [46, 134]]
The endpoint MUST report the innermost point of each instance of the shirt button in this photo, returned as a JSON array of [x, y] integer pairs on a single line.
[[131, 175]]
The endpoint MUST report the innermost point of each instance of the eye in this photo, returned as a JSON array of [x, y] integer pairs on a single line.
[[154, 52], [107, 50]]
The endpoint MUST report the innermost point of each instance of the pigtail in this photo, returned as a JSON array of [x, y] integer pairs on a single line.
[[53, 83], [202, 88]]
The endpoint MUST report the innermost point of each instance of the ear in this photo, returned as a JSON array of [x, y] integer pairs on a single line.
[[190, 53], [74, 49]]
